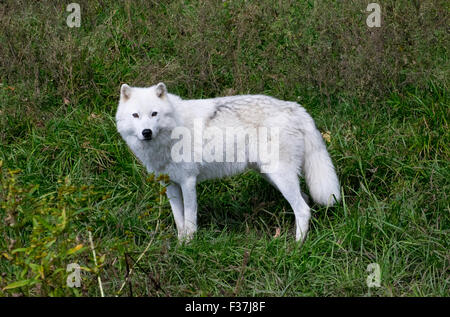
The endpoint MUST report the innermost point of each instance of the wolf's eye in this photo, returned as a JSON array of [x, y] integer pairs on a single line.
[[154, 113], [135, 115]]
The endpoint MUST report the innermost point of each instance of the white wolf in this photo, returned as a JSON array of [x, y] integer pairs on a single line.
[[151, 121]]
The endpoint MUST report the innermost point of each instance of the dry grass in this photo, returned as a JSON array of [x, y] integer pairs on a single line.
[[205, 47]]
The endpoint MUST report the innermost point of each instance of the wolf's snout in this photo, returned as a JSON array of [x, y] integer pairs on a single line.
[[147, 133]]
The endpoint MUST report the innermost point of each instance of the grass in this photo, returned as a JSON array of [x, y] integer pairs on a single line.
[[387, 114]]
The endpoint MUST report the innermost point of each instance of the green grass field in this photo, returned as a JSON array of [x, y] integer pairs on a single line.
[[381, 95]]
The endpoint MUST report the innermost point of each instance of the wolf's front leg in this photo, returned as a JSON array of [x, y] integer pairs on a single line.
[[190, 207], [176, 203]]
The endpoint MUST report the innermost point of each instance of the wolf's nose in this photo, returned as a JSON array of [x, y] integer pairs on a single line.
[[147, 133]]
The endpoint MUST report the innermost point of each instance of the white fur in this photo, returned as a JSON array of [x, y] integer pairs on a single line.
[[301, 147]]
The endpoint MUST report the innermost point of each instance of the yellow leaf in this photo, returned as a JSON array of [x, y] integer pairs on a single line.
[[41, 272], [6, 255], [75, 249], [327, 136], [101, 259]]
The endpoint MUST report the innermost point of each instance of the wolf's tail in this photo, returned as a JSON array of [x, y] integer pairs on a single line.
[[318, 168]]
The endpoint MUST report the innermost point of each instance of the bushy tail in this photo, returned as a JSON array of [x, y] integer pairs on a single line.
[[318, 168]]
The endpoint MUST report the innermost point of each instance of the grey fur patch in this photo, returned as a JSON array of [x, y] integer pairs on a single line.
[[219, 107]]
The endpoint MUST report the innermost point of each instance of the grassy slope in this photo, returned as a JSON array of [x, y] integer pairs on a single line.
[[389, 141]]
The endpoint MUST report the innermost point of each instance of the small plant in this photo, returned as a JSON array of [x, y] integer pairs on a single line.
[[40, 237]]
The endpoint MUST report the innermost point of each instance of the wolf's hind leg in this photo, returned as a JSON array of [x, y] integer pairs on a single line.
[[287, 182], [305, 197], [176, 203]]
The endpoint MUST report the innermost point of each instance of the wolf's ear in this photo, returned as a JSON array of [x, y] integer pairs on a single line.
[[161, 90], [125, 92]]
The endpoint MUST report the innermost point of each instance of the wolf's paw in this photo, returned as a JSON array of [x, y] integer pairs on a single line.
[[301, 232], [185, 237], [300, 237]]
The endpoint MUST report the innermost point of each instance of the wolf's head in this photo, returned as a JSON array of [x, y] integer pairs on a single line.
[[144, 112]]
